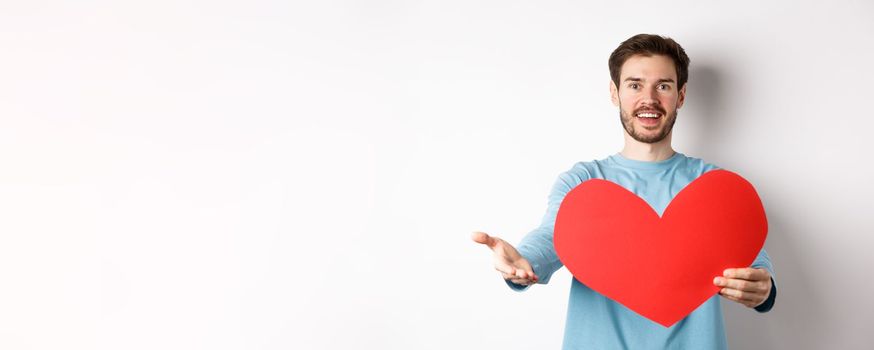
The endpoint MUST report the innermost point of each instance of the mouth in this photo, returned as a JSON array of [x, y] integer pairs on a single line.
[[649, 118]]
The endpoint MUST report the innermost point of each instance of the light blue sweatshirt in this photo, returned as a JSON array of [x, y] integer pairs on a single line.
[[596, 322]]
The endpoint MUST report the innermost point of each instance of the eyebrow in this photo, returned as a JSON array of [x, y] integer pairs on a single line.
[[663, 80]]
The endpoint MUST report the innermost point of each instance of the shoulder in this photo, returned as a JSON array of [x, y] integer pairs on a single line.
[[697, 165], [578, 173]]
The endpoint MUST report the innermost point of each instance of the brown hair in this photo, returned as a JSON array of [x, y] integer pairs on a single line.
[[649, 45]]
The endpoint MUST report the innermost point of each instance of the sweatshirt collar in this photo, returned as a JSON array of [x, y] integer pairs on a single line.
[[644, 165]]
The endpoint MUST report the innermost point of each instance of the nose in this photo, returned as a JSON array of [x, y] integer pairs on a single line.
[[650, 96]]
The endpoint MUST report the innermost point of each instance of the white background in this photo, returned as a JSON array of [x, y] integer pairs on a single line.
[[274, 175]]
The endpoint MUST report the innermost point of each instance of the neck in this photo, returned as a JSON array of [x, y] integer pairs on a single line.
[[647, 152]]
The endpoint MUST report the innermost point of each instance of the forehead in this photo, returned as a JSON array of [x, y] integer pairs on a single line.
[[654, 67]]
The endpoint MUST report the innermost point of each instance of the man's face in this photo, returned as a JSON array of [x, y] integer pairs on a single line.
[[648, 97]]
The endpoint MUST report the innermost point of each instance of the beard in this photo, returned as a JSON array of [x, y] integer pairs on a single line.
[[628, 119]]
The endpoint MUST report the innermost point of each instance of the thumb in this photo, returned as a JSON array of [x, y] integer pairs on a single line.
[[485, 239]]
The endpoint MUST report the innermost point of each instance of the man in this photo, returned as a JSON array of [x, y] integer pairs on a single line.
[[649, 75]]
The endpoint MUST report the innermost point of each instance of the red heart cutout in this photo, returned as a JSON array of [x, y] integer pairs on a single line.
[[660, 267]]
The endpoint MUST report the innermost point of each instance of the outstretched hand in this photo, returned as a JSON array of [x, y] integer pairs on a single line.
[[747, 286], [512, 266]]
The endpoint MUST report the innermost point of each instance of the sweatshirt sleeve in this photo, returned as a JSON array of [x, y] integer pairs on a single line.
[[537, 246], [763, 261]]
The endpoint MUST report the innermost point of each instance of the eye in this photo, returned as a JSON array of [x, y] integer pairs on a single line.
[[634, 85], [664, 87]]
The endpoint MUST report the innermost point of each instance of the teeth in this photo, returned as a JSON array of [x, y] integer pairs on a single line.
[[648, 115]]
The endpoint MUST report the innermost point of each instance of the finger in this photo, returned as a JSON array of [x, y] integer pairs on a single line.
[[745, 302], [761, 274], [750, 302], [514, 278], [739, 284], [505, 269], [739, 294], [731, 292], [750, 274], [736, 273], [527, 272], [522, 281]]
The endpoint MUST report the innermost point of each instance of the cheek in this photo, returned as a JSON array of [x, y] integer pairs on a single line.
[[627, 101], [669, 102]]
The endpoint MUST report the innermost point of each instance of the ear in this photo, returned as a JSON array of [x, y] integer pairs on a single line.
[[682, 97], [614, 93]]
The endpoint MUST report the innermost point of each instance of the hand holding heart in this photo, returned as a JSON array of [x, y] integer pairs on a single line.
[[748, 286], [512, 266]]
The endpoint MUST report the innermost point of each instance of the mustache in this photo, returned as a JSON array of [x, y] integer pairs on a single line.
[[658, 109]]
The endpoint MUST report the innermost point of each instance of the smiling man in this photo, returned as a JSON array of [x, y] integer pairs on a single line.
[[648, 84]]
